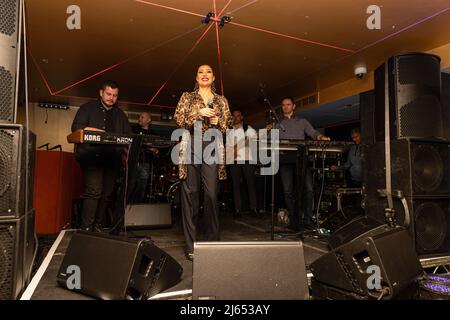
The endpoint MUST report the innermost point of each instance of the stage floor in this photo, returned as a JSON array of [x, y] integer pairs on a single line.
[[44, 287]]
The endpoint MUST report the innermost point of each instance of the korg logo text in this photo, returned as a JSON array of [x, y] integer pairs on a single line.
[[91, 137]]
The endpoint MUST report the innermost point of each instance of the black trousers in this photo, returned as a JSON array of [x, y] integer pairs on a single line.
[[190, 202], [99, 182], [291, 185], [248, 172]]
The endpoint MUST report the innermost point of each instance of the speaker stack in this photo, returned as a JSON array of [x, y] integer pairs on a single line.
[[17, 147], [419, 146]]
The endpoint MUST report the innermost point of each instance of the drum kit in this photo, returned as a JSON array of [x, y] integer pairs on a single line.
[[164, 185]]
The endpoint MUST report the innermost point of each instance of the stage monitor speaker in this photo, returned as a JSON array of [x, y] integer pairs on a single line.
[[16, 254], [414, 89], [445, 100], [115, 268], [419, 168], [148, 215], [351, 230], [249, 271], [10, 31], [350, 267], [16, 176]]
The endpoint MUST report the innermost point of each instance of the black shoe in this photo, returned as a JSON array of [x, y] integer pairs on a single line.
[[237, 214], [99, 228]]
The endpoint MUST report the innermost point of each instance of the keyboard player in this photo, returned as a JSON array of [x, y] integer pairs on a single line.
[[100, 164], [292, 126]]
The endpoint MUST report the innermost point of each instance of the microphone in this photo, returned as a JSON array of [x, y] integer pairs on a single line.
[[211, 106]]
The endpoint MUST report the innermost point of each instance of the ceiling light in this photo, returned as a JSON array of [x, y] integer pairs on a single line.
[[207, 18]]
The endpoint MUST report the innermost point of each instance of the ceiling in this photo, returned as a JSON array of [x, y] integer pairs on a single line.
[[153, 48]]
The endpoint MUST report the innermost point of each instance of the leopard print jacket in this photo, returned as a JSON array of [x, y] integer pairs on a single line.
[[187, 113]]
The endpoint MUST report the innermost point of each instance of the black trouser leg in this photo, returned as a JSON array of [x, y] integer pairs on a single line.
[[93, 181], [249, 174], [211, 204], [110, 176], [190, 188], [236, 173], [287, 175]]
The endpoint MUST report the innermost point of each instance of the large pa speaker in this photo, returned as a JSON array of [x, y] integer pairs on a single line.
[[16, 254], [419, 168], [118, 268], [10, 31], [445, 100], [427, 221], [249, 271], [413, 85], [349, 267], [16, 175], [366, 116]]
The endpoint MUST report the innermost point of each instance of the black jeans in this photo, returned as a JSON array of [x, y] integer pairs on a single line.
[[99, 182], [248, 172], [291, 185]]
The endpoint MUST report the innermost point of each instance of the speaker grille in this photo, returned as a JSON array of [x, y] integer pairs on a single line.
[[432, 227], [6, 152], [6, 95], [427, 168], [418, 69], [7, 233], [8, 17], [421, 117]]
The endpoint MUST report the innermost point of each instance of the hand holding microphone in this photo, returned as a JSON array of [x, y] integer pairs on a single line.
[[210, 113]]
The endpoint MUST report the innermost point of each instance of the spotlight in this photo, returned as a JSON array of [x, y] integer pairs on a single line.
[[223, 20], [207, 18]]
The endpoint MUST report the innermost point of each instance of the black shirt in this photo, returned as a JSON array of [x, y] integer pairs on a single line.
[[93, 114]]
